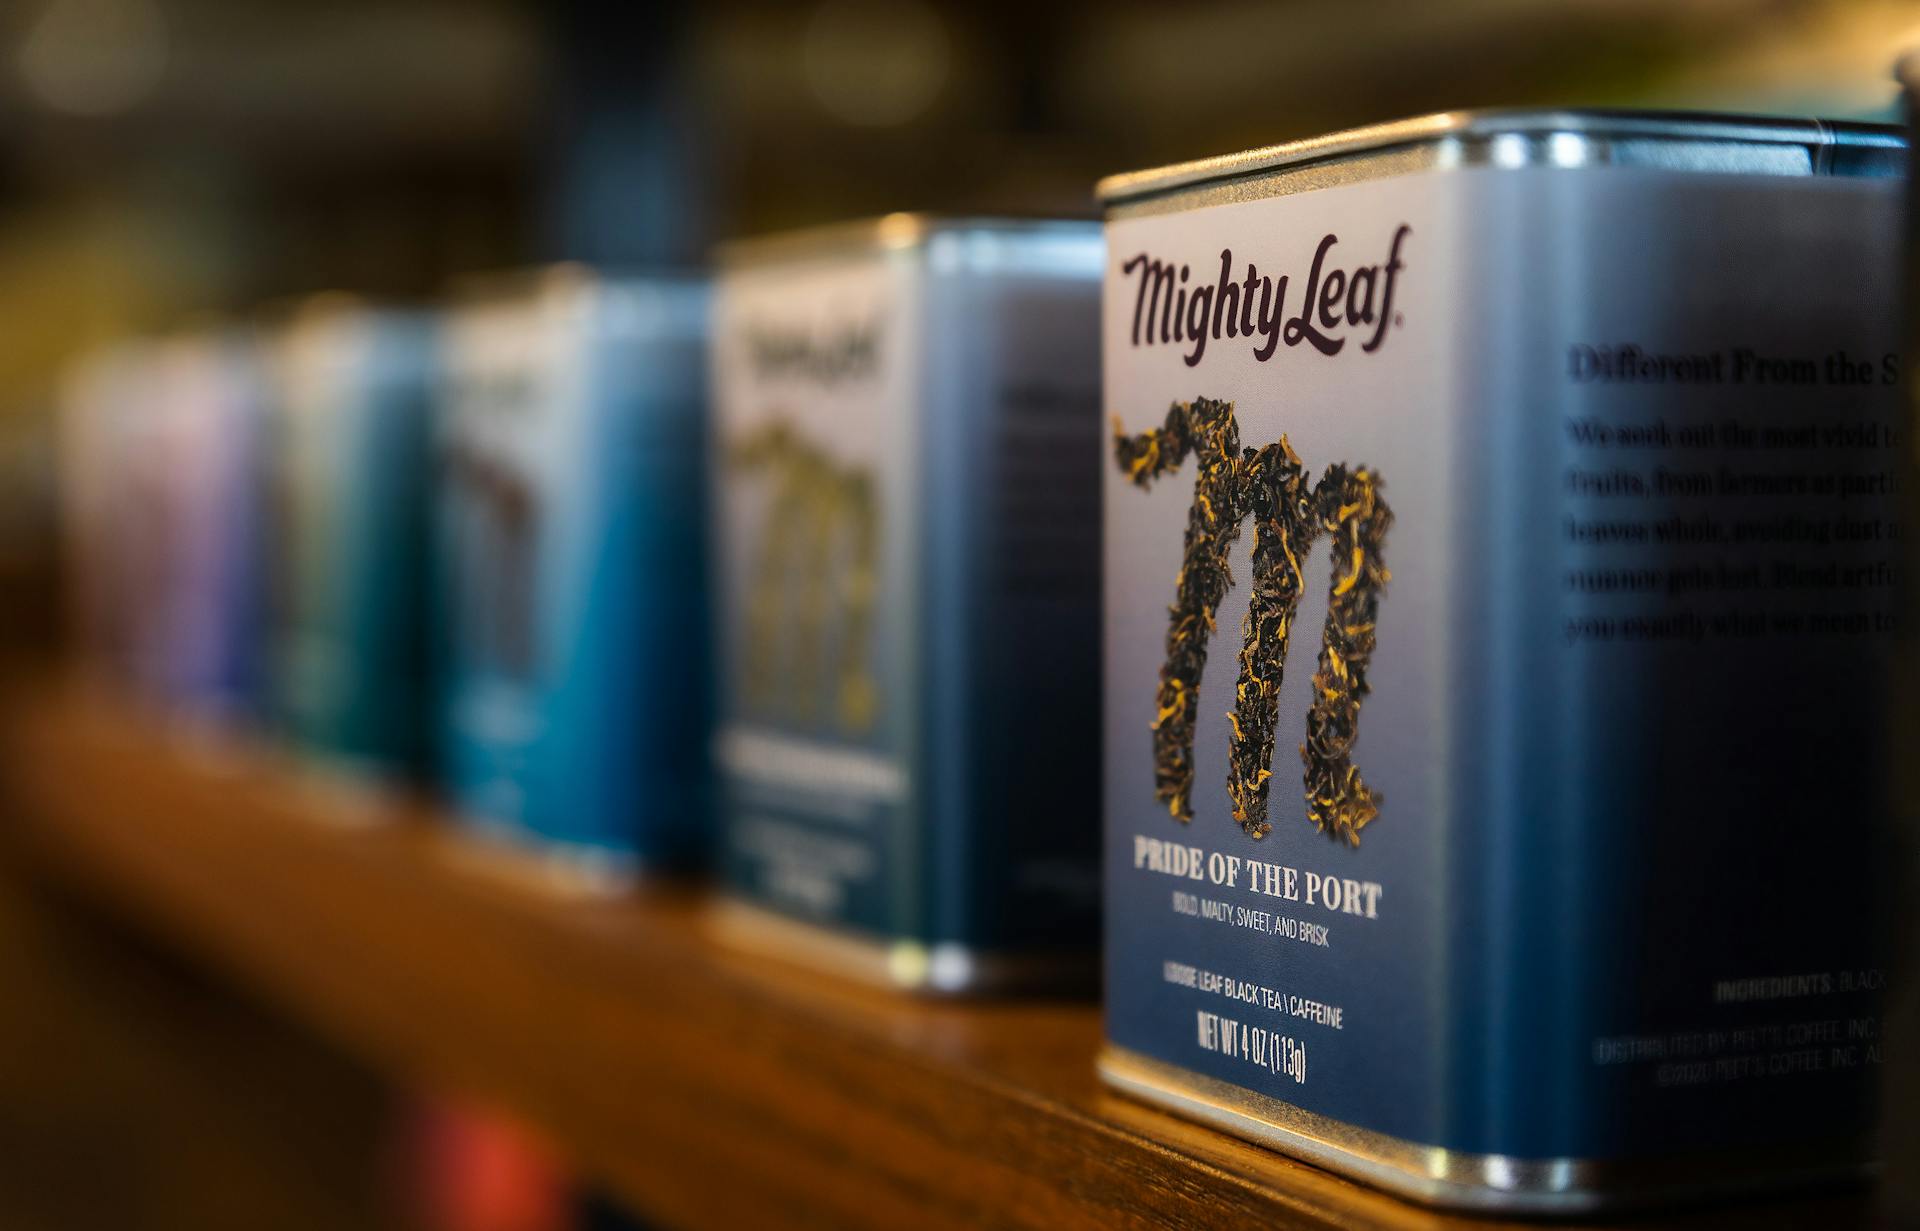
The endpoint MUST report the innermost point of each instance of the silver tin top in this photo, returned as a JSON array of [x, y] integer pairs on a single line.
[[609, 304], [562, 279], [887, 232], [1680, 141]]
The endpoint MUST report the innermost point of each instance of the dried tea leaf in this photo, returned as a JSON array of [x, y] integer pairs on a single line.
[[1268, 485], [816, 568]]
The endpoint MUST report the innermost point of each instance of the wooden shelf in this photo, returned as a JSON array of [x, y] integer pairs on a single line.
[[710, 1088]]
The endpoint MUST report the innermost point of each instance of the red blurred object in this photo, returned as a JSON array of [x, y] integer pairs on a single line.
[[467, 1168]]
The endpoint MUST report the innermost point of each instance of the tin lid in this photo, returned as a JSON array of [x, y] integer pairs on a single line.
[[562, 280], [525, 283], [1674, 140], [887, 232], [576, 296]]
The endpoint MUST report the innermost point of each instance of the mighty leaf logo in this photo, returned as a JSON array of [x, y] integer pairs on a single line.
[[811, 595], [1270, 487]]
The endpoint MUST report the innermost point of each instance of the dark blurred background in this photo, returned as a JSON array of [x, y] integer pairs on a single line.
[[163, 161], [163, 156]]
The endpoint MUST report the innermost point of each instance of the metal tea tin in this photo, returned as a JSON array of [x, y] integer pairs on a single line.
[[101, 494], [907, 520], [190, 508], [1500, 523], [571, 539], [349, 466]]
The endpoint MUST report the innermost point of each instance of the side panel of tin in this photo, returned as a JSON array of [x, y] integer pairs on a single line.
[[816, 378], [1224, 955], [1697, 561], [1499, 988], [1011, 552]]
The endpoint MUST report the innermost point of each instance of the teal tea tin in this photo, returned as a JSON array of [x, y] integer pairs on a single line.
[[570, 531], [349, 466]]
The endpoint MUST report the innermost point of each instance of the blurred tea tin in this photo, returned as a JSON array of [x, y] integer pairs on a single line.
[[1500, 525], [350, 424], [907, 522], [98, 486], [188, 512], [571, 530]]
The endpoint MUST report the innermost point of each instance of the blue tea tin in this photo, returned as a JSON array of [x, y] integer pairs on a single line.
[[570, 517], [1501, 516], [350, 478], [907, 520]]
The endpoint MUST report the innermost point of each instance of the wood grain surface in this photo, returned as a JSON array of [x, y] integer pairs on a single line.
[[709, 1088]]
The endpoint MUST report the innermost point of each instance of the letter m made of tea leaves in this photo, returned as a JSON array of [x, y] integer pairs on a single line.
[[811, 595], [1268, 485]]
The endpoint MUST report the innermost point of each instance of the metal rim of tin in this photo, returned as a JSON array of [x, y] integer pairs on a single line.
[[559, 279], [888, 232], [1485, 1183], [315, 309], [567, 294], [939, 969], [525, 282], [332, 328], [1485, 126]]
